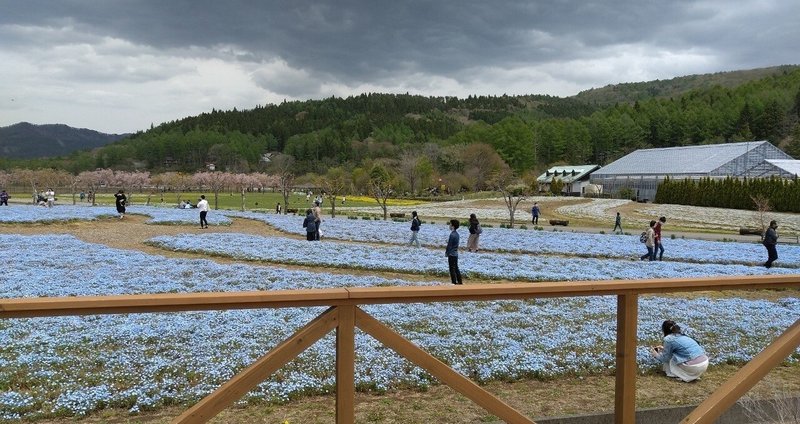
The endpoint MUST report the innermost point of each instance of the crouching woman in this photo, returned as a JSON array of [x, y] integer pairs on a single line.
[[680, 355]]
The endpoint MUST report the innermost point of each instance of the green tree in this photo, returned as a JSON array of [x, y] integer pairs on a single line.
[[381, 186], [556, 185]]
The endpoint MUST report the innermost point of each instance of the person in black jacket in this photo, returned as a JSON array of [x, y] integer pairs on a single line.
[[415, 223], [310, 224], [121, 201], [770, 242], [474, 233]]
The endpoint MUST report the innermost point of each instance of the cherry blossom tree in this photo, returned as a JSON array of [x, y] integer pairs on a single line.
[[5, 180], [125, 180], [39, 178], [282, 167], [172, 180], [243, 182]]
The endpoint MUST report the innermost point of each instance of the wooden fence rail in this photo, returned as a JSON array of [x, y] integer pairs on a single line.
[[344, 315]]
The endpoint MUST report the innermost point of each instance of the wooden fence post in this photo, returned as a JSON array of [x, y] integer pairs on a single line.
[[625, 391], [345, 365]]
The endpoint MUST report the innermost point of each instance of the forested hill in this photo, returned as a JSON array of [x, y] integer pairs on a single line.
[[24, 140], [675, 87], [527, 132]]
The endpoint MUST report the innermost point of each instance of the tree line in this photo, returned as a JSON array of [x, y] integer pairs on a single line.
[[434, 142]]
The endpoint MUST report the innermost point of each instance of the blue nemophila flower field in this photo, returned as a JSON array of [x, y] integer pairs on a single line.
[[77, 365], [60, 213], [536, 242], [524, 267]]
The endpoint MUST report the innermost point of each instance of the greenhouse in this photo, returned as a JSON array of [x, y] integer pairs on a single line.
[[642, 170]]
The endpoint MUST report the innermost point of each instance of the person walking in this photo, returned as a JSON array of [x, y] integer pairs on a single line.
[[51, 197], [318, 218], [535, 211], [771, 242], [278, 208], [658, 249], [649, 242], [120, 200], [202, 206], [310, 225], [4, 198], [452, 252], [415, 223], [618, 223], [681, 356], [475, 231]]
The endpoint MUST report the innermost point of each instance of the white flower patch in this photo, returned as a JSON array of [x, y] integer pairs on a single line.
[[492, 209], [80, 364], [718, 218], [704, 218], [598, 209], [427, 261], [537, 242]]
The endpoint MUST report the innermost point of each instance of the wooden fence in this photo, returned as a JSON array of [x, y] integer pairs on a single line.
[[344, 315]]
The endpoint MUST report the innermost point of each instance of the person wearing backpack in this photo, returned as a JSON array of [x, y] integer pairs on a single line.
[[475, 231], [415, 223], [310, 224], [649, 239]]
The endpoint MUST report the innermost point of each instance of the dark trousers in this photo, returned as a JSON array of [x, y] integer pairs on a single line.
[[659, 251], [772, 255], [650, 255], [203, 221], [535, 220], [4, 202], [311, 235], [617, 225], [455, 274]]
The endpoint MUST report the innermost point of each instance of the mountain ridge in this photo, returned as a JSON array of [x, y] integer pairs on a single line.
[[25, 140]]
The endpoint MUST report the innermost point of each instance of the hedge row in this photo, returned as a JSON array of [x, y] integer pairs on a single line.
[[732, 193]]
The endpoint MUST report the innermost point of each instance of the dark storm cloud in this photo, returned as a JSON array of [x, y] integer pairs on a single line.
[[164, 59], [371, 41]]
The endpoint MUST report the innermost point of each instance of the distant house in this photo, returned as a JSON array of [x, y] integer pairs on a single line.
[[266, 157], [170, 161], [574, 177], [642, 170]]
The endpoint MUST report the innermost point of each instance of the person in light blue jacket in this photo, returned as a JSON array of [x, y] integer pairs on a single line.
[[681, 355]]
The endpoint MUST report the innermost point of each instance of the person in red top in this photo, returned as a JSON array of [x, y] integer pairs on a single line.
[[659, 249]]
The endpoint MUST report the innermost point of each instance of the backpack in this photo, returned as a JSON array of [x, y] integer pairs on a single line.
[[643, 237], [478, 229]]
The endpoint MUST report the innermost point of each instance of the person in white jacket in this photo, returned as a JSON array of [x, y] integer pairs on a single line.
[[202, 206]]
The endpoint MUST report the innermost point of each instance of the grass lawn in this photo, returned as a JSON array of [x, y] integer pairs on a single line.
[[227, 200]]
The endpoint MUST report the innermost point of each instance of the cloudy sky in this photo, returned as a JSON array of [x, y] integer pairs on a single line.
[[118, 66]]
